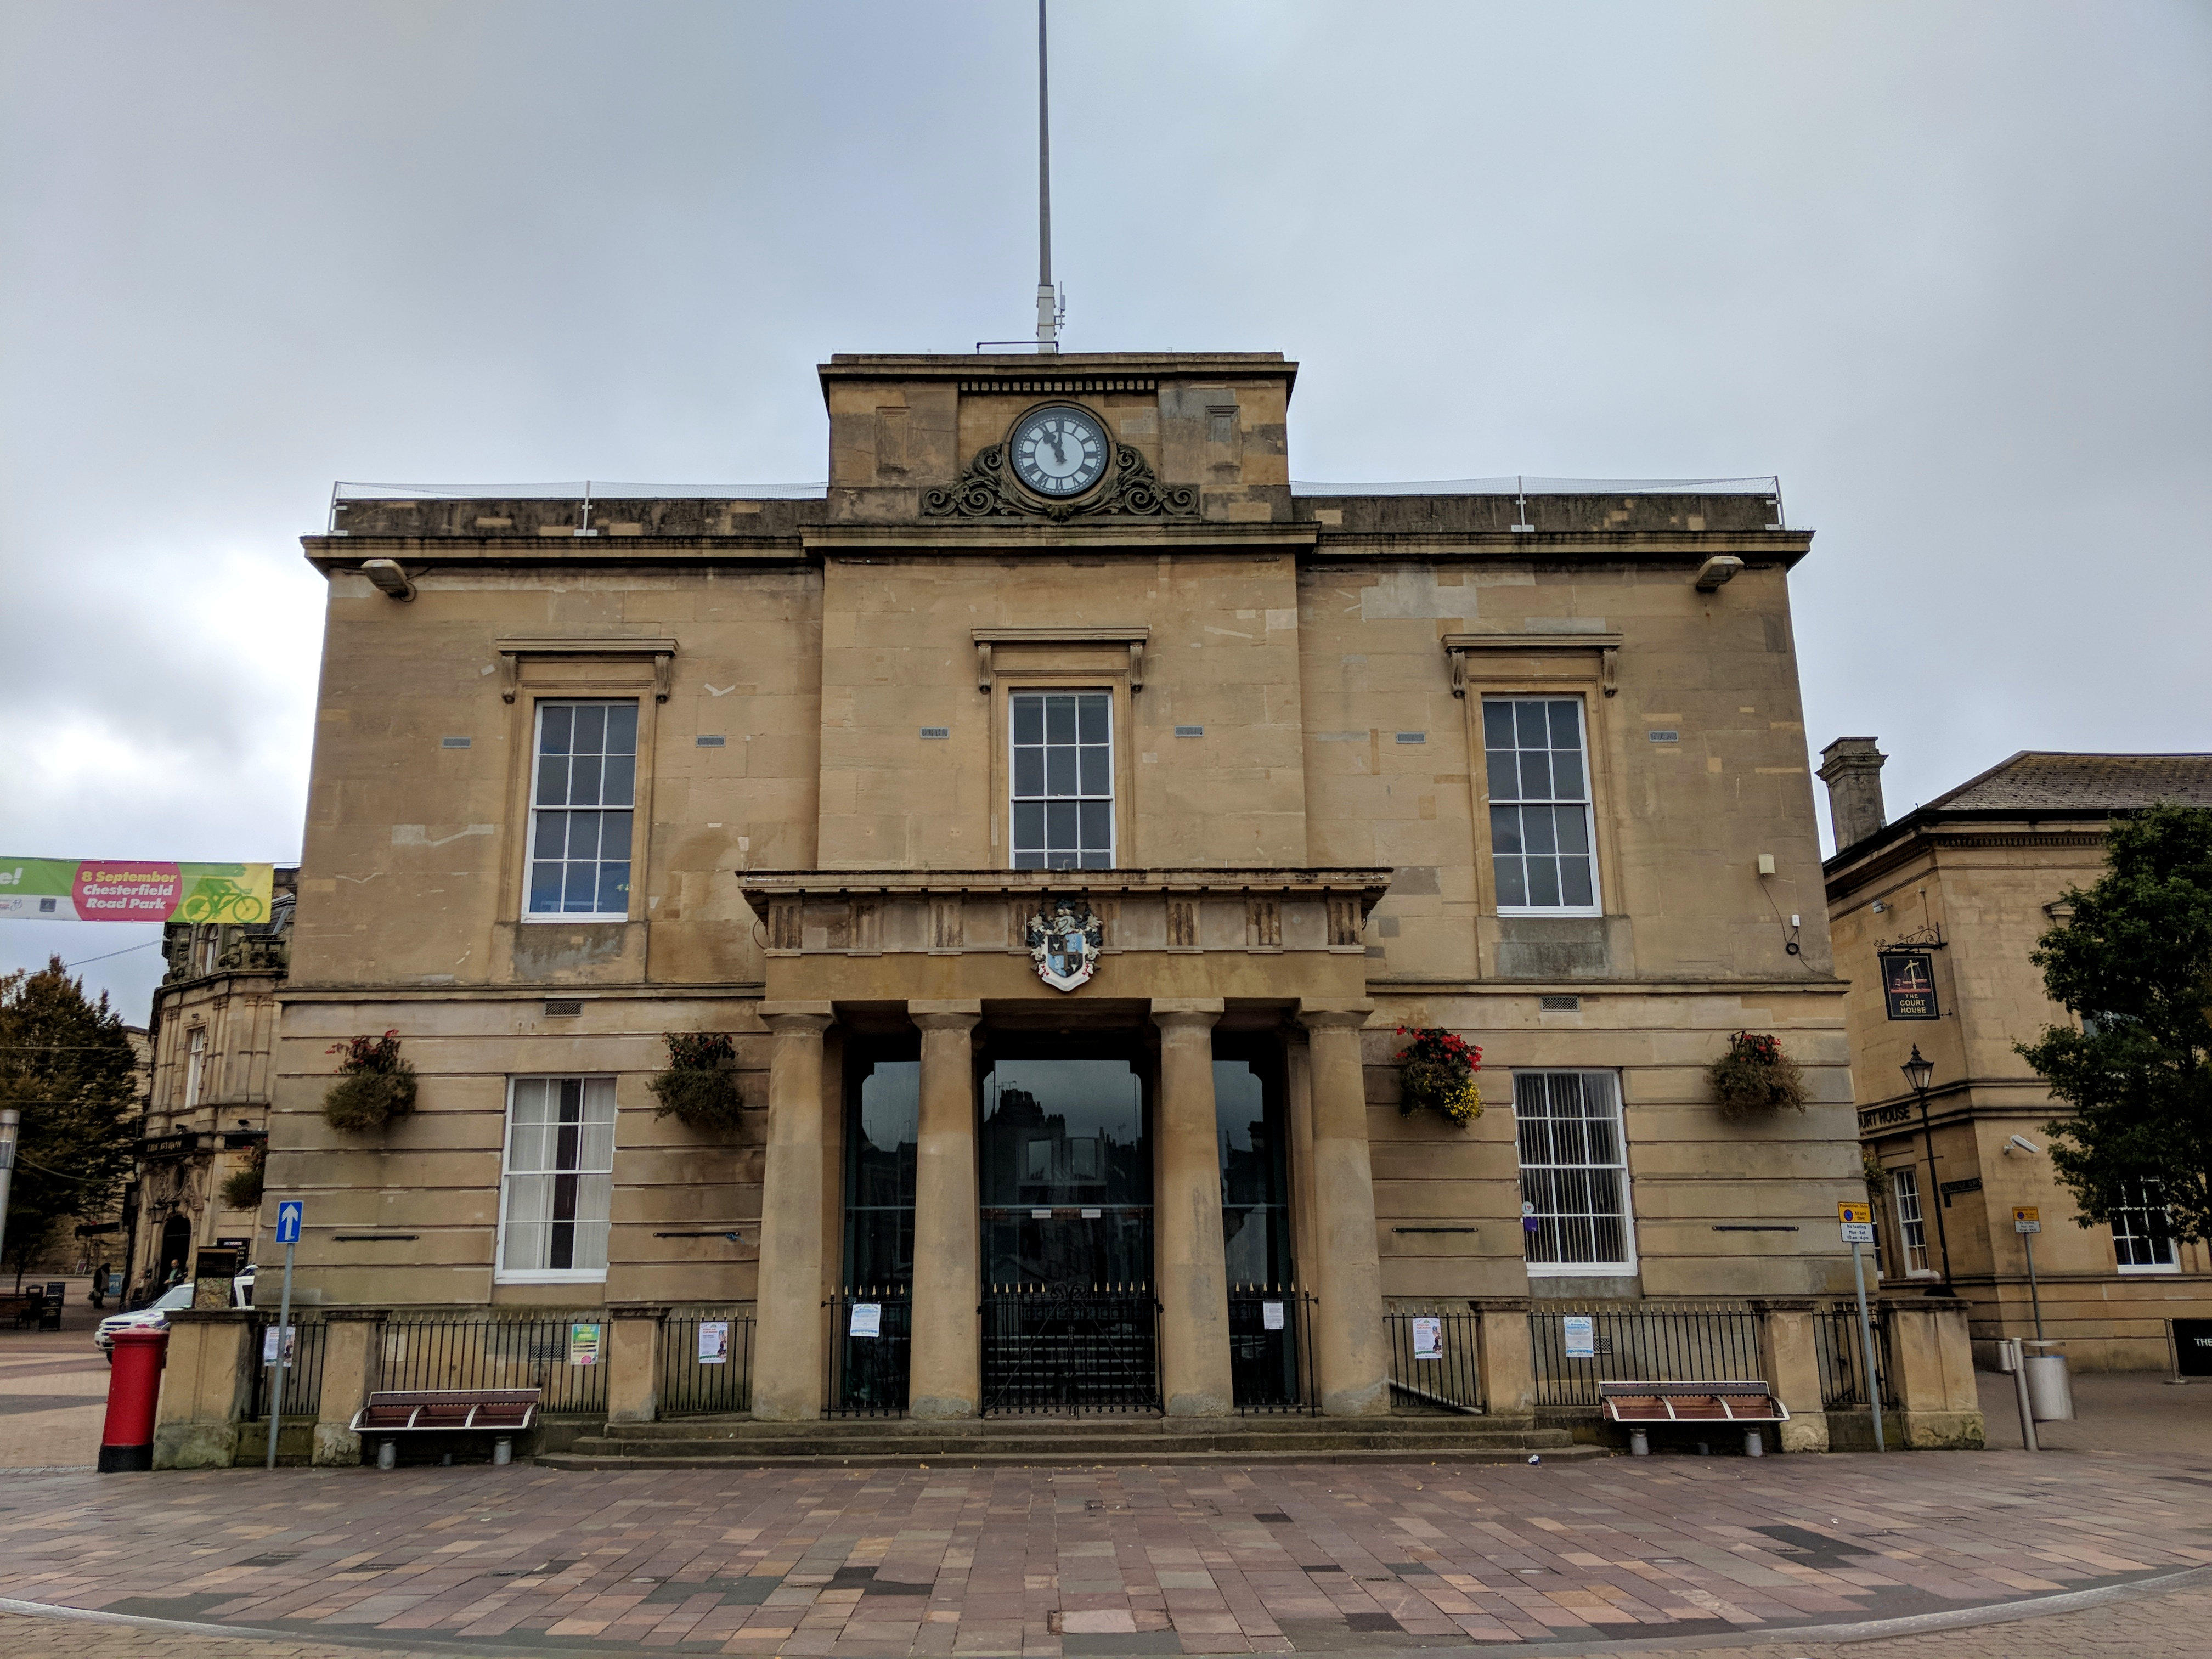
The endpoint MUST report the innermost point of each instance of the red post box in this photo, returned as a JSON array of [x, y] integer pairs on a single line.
[[134, 1389]]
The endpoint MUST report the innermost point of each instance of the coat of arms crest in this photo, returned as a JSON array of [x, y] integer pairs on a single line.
[[1064, 940]]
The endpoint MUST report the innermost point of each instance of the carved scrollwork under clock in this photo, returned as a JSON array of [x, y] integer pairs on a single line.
[[986, 490]]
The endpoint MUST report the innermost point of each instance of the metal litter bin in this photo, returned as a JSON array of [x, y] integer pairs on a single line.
[[2050, 1391]]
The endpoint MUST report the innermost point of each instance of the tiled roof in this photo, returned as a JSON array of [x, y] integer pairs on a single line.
[[2033, 780]]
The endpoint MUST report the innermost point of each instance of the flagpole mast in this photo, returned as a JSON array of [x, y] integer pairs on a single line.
[[1047, 299]]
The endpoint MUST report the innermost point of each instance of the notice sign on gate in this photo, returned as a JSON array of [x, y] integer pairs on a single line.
[[1428, 1338], [867, 1319], [713, 1341], [269, 1335], [1270, 1316], [583, 1344], [1859, 1222], [1581, 1333]]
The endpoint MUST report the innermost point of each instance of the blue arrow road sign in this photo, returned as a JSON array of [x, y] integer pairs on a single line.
[[288, 1221]]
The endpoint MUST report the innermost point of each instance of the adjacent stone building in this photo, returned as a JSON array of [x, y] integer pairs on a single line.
[[1934, 918], [1062, 815], [214, 1029]]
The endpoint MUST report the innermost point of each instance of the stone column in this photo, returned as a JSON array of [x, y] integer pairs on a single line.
[[946, 1378], [1792, 1369], [788, 1375], [1193, 1285], [353, 1349], [1937, 1396], [207, 1384], [1350, 1351], [1508, 1361], [634, 1339]]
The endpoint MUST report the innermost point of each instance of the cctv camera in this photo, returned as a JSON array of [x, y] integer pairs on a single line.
[[2023, 1144]]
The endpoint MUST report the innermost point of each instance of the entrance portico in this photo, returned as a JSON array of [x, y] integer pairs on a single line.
[[1190, 966]]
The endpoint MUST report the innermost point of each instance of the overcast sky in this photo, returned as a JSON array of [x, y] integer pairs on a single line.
[[1947, 269]]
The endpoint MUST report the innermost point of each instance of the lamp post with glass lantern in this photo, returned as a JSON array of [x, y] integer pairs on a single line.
[[1920, 1074]]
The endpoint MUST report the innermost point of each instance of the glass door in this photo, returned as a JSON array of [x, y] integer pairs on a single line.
[[1065, 1180]]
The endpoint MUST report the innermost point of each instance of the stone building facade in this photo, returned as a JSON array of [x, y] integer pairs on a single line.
[[1934, 917], [214, 1038], [1062, 816]]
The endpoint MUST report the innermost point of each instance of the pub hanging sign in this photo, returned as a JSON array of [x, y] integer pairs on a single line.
[[1908, 984]]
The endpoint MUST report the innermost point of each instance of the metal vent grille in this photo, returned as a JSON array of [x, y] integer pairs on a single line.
[[1413, 737], [1190, 731], [564, 1007], [453, 742], [935, 732], [711, 740], [1560, 1005]]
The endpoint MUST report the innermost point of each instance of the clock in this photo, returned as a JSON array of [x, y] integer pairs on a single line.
[[1059, 450]]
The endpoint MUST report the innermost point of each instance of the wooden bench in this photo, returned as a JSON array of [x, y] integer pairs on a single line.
[[20, 1311], [504, 1412], [1641, 1406]]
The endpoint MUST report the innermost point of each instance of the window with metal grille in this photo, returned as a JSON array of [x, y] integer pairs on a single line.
[[1063, 779], [1541, 835], [1911, 1226], [581, 794], [1574, 1172], [559, 1178], [2143, 1237]]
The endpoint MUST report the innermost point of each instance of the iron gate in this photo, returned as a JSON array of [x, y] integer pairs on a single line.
[[1070, 1349]]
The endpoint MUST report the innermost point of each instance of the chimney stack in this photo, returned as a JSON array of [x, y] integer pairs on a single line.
[[1851, 768]]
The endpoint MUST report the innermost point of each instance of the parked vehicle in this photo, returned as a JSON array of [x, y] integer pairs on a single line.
[[155, 1316]]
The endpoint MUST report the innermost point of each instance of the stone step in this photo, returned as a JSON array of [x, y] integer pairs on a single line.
[[698, 1442]]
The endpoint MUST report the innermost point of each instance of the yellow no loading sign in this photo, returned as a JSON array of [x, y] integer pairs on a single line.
[[1857, 1221]]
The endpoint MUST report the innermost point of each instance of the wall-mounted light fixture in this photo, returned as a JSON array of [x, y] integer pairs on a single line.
[[1716, 572], [390, 577]]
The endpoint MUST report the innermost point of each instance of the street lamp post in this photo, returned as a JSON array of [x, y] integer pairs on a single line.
[[1920, 1074]]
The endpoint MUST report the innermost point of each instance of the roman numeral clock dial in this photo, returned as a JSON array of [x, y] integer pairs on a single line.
[[1059, 451]]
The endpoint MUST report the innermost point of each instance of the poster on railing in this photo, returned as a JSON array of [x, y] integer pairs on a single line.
[[1581, 1331], [1428, 1338], [133, 890], [1270, 1316], [867, 1319], [269, 1344], [583, 1344], [713, 1341]]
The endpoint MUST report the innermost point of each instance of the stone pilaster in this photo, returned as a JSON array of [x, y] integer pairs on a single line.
[[206, 1386], [1508, 1360], [1350, 1350], [946, 1378], [787, 1368], [1787, 1355], [353, 1351], [635, 1331], [1194, 1287]]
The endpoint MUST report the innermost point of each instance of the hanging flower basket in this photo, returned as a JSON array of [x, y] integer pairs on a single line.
[[699, 1088], [1436, 1071], [374, 1085], [1754, 1077], [241, 1187]]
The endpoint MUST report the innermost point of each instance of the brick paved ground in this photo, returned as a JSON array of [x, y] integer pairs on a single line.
[[53, 1389], [1076, 1562]]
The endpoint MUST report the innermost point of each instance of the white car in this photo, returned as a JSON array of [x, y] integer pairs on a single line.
[[155, 1315]]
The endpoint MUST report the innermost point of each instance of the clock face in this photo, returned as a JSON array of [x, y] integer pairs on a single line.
[[1060, 450]]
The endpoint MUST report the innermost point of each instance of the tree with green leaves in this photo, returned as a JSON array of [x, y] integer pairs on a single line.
[[67, 1065], [2134, 964]]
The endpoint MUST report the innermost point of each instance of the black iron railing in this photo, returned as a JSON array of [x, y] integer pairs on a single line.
[[1646, 1343], [693, 1381], [871, 1343], [1436, 1355], [564, 1356], [1071, 1349], [303, 1378], [1271, 1350], [1841, 1354]]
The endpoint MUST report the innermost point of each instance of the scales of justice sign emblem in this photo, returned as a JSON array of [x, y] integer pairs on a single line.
[[1064, 939]]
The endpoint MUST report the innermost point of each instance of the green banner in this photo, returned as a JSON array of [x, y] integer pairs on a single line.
[[133, 890]]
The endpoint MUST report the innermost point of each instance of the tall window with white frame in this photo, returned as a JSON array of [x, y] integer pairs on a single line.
[[1543, 836], [1062, 771], [2143, 1237], [195, 1065], [558, 1186], [583, 787], [1911, 1226], [1574, 1173]]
